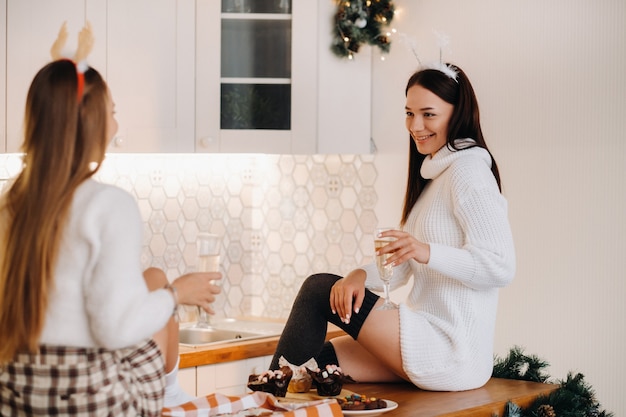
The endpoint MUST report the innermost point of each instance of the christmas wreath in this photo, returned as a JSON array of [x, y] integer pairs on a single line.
[[361, 21], [574, 397]]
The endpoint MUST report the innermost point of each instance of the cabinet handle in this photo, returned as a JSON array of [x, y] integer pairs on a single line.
[[206, 142]]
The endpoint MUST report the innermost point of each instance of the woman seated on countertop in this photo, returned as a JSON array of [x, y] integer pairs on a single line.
[[454, 240], [83, 328]]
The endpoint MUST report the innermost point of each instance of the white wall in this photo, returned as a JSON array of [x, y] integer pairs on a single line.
[[550, 78]]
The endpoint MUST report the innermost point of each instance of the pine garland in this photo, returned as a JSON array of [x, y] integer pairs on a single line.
[[517, 365], [574, 397], [361, 21]]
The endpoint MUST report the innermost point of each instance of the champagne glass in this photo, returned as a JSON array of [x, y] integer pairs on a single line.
[[208, 246], [385, 271]]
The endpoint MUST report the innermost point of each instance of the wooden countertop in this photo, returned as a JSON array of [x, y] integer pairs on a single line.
[[481, 402], [226, 352], [412, 402]]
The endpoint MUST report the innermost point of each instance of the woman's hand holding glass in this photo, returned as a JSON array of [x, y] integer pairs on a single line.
[[393, 247], [384, 263], [405, 247], [198, 288], [347, 294]]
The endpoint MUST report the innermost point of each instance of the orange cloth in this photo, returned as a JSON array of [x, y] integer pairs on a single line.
[[257, 403]]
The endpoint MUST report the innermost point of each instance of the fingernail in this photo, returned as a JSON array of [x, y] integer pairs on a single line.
[[334, 312], [356, 310], [347, 317]]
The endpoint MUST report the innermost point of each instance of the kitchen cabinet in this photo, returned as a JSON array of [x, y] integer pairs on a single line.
[[143, 48], [163, 62], [31, 28], [187, 380], [150, 69], [265, 52], [228, 378]]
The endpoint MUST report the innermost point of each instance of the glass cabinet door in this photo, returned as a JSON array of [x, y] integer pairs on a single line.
[[256, 76], [255, 64]]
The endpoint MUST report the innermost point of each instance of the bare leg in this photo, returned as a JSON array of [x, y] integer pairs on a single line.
[[375, 356], [167, 337]]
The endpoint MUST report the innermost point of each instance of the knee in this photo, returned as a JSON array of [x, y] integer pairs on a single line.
[[319, 282], [155, 278]]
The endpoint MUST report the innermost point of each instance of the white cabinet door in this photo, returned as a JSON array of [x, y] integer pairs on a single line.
[[255, 74], [229, 378], [150, 70], [143, 48], [32, 27], [205, 380], [330, 97], [187, 380]]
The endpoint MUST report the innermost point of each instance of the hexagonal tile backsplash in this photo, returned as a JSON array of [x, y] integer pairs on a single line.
[[283, 217]]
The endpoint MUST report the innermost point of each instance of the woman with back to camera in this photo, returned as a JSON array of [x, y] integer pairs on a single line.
[[84, 330], [454, 239]]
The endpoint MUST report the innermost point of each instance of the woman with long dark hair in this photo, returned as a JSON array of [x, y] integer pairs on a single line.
[[454, 239]]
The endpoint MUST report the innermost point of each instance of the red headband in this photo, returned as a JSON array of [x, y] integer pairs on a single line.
[[81, 85], [81, 67]]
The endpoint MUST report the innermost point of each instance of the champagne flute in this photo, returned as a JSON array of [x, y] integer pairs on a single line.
[[385, 271], [208, 247]]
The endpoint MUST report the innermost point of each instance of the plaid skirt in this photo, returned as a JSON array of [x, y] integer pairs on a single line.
[[84, 382]]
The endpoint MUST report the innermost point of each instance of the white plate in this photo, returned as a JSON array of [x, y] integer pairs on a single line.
[[391, 405]]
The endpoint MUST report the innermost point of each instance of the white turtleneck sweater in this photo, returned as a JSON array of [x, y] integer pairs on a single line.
[[100, 298], [448, 320]]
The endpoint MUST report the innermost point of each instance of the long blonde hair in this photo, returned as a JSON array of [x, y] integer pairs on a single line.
[[64, 133]]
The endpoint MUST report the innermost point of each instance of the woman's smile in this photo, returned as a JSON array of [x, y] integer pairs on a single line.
[[423, 137]]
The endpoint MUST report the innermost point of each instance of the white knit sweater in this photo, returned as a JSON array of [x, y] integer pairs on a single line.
[[100, 298], [447, 323]]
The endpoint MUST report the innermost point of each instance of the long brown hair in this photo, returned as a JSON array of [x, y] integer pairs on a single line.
[[464, 123], [64, 135]]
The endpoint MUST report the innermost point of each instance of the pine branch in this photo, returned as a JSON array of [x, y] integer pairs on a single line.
[[519, 366], [574, 397]]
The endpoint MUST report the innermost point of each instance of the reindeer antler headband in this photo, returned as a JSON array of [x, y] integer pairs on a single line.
[[448, 70], [85, 45]]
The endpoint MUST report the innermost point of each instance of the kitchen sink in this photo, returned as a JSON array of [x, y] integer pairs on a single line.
[[200, 336], [228, 331]]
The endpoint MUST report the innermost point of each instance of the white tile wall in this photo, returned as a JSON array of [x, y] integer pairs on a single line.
[[283, 217]]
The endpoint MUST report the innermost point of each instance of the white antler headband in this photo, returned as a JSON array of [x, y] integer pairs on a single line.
[[442, 41]]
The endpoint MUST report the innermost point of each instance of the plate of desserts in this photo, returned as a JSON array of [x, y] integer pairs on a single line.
[[363, 406], [308, 383]]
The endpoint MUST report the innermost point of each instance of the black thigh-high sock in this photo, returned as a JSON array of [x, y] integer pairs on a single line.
[[305, 331]]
